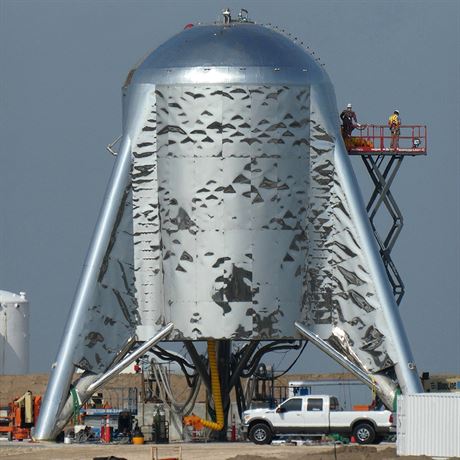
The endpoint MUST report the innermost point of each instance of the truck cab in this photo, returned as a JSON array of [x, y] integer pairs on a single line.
[[307, 414]]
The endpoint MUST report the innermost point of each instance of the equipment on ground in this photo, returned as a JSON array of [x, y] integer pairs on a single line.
[[160, 427], [138, 436], [21, 417]]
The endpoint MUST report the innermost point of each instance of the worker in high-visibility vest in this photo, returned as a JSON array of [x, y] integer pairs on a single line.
[[394, 122]]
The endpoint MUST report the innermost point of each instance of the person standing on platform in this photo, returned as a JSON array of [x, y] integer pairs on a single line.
[[394, 122], [349, 121]]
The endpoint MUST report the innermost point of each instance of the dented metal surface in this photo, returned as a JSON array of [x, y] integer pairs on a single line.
[[233, 212], [341, 300], [220, 189], [383, 384], [112, 316], [241, 221]]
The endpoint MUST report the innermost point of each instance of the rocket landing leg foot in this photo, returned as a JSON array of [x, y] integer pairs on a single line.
[[49, 427]]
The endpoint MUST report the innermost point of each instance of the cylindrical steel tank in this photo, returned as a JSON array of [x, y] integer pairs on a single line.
[[14, 333], [220, 229]]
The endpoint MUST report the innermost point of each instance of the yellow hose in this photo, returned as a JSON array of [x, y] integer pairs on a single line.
[[198, 422]]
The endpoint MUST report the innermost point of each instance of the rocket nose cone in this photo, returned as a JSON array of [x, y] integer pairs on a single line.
[[237, 47], [241, 44]]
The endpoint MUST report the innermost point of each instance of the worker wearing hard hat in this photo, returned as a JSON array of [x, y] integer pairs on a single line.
[[349, 121], [394, 122]]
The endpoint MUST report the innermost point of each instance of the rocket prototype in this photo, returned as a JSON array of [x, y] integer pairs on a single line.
[[233, 213]]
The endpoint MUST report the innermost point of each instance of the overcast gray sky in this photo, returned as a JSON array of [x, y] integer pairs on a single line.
[[62, 64]]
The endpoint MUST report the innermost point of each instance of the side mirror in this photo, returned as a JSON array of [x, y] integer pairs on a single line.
[[280, 409]]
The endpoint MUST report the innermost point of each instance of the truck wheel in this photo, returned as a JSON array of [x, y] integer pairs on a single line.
[[364, 433], [260, 434]]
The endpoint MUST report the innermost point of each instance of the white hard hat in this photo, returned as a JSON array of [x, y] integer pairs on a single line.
[[397, 111], [348, 106]]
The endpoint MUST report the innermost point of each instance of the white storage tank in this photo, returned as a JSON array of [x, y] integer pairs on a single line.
[[14, 333], [429, 424]]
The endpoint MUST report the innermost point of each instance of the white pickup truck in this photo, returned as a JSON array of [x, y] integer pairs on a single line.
[[314, 414]]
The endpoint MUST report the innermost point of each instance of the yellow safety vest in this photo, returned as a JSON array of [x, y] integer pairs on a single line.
[[394, 121]]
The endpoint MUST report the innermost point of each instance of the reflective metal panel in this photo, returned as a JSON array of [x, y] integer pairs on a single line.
[[235, 53], [230, 167]]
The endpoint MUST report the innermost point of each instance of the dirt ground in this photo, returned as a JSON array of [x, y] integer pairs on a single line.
[[211, 451]]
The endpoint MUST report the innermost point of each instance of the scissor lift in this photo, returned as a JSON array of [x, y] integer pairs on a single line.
[[372, 144]]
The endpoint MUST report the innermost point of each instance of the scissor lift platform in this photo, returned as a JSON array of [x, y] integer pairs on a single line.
[[372, 144], [376, 140], [386, 151]]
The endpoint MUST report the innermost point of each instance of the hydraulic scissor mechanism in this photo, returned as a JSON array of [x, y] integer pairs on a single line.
[[382, 170]]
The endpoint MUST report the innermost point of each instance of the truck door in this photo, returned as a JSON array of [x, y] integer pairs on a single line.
[[290, 416], [316, 415]]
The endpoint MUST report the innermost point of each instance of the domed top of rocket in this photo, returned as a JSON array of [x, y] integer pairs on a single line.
[[229, 52], [235, 44]]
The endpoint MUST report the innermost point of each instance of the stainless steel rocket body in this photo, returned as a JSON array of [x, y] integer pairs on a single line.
[[234, 211]]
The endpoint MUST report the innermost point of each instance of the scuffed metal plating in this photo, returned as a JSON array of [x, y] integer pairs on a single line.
[[232, 212], [241, 226]]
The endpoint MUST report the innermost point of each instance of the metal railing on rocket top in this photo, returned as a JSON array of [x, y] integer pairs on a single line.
[[372, 143], [377, 140]]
